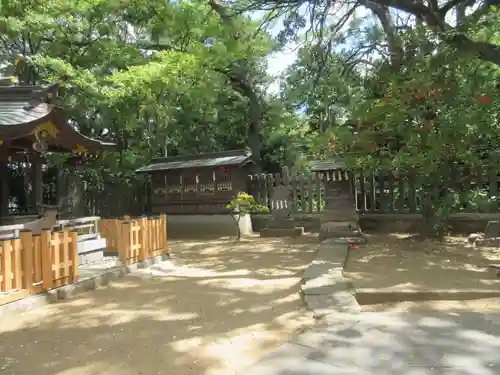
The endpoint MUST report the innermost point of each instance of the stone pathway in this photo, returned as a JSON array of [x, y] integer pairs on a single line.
[[391, 344], [347, 341]]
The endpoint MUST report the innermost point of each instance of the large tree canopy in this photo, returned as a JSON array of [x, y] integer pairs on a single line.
[[403, 85], [456, 22]]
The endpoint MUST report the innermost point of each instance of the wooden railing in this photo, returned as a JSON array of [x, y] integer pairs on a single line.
[[136, 239], [31, 264], [85, 226]]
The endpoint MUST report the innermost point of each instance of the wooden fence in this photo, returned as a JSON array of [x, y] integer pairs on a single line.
[[31, 264], [137, 239], [384, 192], [307, 191]]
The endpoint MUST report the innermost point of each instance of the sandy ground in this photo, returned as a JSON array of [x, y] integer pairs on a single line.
[[217, 308], [394, 263], [485, 305]]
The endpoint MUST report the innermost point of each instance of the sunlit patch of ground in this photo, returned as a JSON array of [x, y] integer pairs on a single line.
[[216, 308], [393, 263]]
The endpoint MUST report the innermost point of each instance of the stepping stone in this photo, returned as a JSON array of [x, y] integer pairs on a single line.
[[326, 284], [319, 268]]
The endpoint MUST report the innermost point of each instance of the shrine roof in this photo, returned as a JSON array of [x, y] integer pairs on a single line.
[[23, 108], [326, 165], [14, 109], [208, 160]]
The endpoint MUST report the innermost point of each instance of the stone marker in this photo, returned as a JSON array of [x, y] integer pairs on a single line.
[[281, 223], [492, 229], [339, 218]]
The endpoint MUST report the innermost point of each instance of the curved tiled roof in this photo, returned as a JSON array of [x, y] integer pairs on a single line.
[[23, 108], [14, 108]]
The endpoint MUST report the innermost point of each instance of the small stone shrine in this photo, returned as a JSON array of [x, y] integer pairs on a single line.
[[281, 224], [339, 218]]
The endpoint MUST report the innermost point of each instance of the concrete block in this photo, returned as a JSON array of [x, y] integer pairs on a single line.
[[318, 268], [336, 253], [338, 302], [325, 285], [66, 292]]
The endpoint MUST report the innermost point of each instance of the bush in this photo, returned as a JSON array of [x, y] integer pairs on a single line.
[[244, 204]]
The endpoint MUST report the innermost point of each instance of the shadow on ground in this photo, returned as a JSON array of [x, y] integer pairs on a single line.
[[395, 273], [216, 308], [390, 261], [392, 344]]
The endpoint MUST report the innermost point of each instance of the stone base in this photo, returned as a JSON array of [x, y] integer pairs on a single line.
[[488, 242], [91, 257], [358, 240], [479, 239], [273, 223], [275, 232], [339, 230], [347, 231]]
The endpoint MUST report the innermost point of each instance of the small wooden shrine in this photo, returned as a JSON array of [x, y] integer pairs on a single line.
[[33, 124], [198, 184]]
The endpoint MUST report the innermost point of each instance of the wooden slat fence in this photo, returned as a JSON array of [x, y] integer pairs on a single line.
[[307, 191], [386, 192], [137, 239], [117, 198], [32, 264], [392, 192]]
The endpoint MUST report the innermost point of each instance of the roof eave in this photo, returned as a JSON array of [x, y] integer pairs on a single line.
[[148, 169]]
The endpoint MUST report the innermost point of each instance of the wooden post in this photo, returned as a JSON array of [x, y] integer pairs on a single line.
[[27, 256], [144, 252], [66, 257], [37, 258], [17, 270], [148, 236], [36, 181], [126, 242], [46, 255], [62, 189], [74, 276], [163, 231], [4, 189], [118, 234], [6, 265]]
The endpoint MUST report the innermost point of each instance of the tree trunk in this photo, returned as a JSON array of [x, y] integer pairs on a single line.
[[239, 76]]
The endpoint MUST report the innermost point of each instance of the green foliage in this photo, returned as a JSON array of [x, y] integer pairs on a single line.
[[480, 201], [437, 118], [244, 204], [151, 76]]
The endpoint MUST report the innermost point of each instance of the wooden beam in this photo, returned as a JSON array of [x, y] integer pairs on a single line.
[[4, 189], [36, 181]]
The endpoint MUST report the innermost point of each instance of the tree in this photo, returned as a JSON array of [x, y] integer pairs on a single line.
[[436, 120], [141, 75], [316, 17]]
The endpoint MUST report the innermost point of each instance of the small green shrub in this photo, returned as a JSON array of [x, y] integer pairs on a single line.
[[244, 204]]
